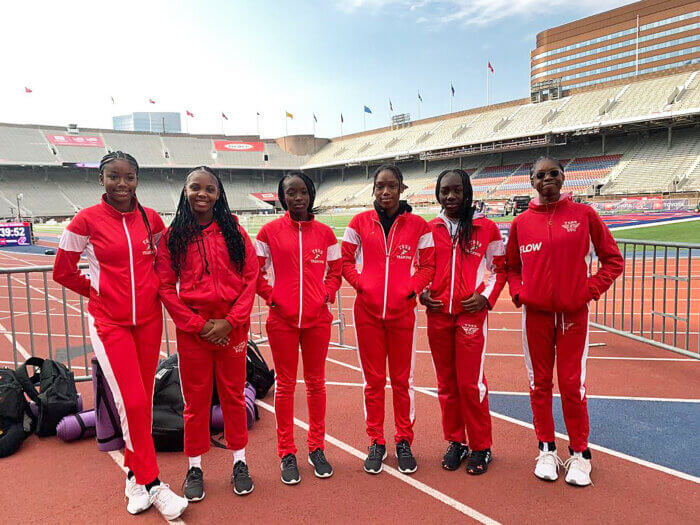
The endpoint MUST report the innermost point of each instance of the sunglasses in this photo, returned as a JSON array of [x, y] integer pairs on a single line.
[[552, 173]]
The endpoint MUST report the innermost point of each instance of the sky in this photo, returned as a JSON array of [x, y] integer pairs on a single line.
[[268, 57]]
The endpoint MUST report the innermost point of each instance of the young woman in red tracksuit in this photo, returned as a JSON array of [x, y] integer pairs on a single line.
[[548, 257], [467, 244], [208, 273], [118, 237], [301, 258], [380, 248]]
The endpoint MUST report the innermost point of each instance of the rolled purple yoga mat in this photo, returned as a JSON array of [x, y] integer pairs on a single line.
[[35, 408], [107, 425], [217, 418], [77, 426], [250, 404]]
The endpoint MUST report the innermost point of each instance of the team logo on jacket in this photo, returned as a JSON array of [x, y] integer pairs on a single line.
[[240, 347], [317, 256], [532, 247], [404, 251], [474, 247], [470, 329], [148, 250], [571, 226]]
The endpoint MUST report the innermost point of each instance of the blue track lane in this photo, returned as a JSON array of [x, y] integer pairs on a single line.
[[662, 432]]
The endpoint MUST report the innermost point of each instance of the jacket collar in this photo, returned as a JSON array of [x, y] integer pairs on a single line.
[[287, 218], [116, 213], [442, 219], [535, 205], [404, 207]]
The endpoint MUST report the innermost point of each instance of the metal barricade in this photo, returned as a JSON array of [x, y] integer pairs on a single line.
[[47, 320], [654, 301]]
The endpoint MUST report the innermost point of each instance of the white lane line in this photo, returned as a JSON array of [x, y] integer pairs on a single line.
[[119, 460], [8, 335], [525, 394], [604, 358], [593, 446], [422, 487]]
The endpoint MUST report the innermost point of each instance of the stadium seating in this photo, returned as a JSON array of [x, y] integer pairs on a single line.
[[650, 167]]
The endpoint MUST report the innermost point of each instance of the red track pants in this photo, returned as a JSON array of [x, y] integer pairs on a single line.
[[458, 345], [199, 363], [285, 340], [128, 356], [377, 341], [566, 335]]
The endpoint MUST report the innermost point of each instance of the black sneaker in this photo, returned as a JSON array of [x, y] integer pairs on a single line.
[[377, 454], [290, 471], [193, 487], [241, 480], [322, 469], [407, 463], [454, 455], [478, 461]]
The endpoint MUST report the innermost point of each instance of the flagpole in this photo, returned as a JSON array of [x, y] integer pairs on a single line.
[[187, 123], [487, 85], [364, 120], [257, 123], [222, 124]]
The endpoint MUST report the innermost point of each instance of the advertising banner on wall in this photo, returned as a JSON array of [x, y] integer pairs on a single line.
[[75, 140], [233, 145]]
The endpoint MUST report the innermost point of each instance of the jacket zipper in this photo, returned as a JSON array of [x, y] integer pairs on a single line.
[[301, 277], [452, 274], [387, 250], [131, 269]]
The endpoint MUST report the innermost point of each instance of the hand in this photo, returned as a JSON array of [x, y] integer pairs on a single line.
[[207, 327], [475, 303], [431, 304], [219, 331]]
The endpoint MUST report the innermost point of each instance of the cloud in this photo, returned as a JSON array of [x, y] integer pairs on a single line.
[[477, 12]]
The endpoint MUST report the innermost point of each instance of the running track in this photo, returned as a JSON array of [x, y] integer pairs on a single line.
[[644, 405]]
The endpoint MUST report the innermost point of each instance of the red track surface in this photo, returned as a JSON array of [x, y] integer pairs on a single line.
[[76, 483]]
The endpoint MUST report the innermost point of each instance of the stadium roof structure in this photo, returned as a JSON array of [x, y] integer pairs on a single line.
[[653, 102]]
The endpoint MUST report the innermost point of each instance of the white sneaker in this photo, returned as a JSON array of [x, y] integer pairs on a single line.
[[137, 496], [578, 470], [169, 504], [547, 467]]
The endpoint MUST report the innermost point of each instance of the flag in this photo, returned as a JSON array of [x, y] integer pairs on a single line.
[[151, 101], [27, 90], [315, 119], [189, 113], [341, 118], [288, 114], [367, 110], [452, 88], [223, 115], [419, 97], [391, 106], [257, 113], [491, 67], [112, 99]]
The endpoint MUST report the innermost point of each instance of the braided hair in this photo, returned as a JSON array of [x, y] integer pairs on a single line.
[[185, 228], [309, 187], [113, 156], [466, 211]]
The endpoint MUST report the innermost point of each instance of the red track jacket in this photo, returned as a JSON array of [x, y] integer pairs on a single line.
[[384, 281], [458, 276], [550, 248], [280, 245], [197, 295], [122, 284]]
